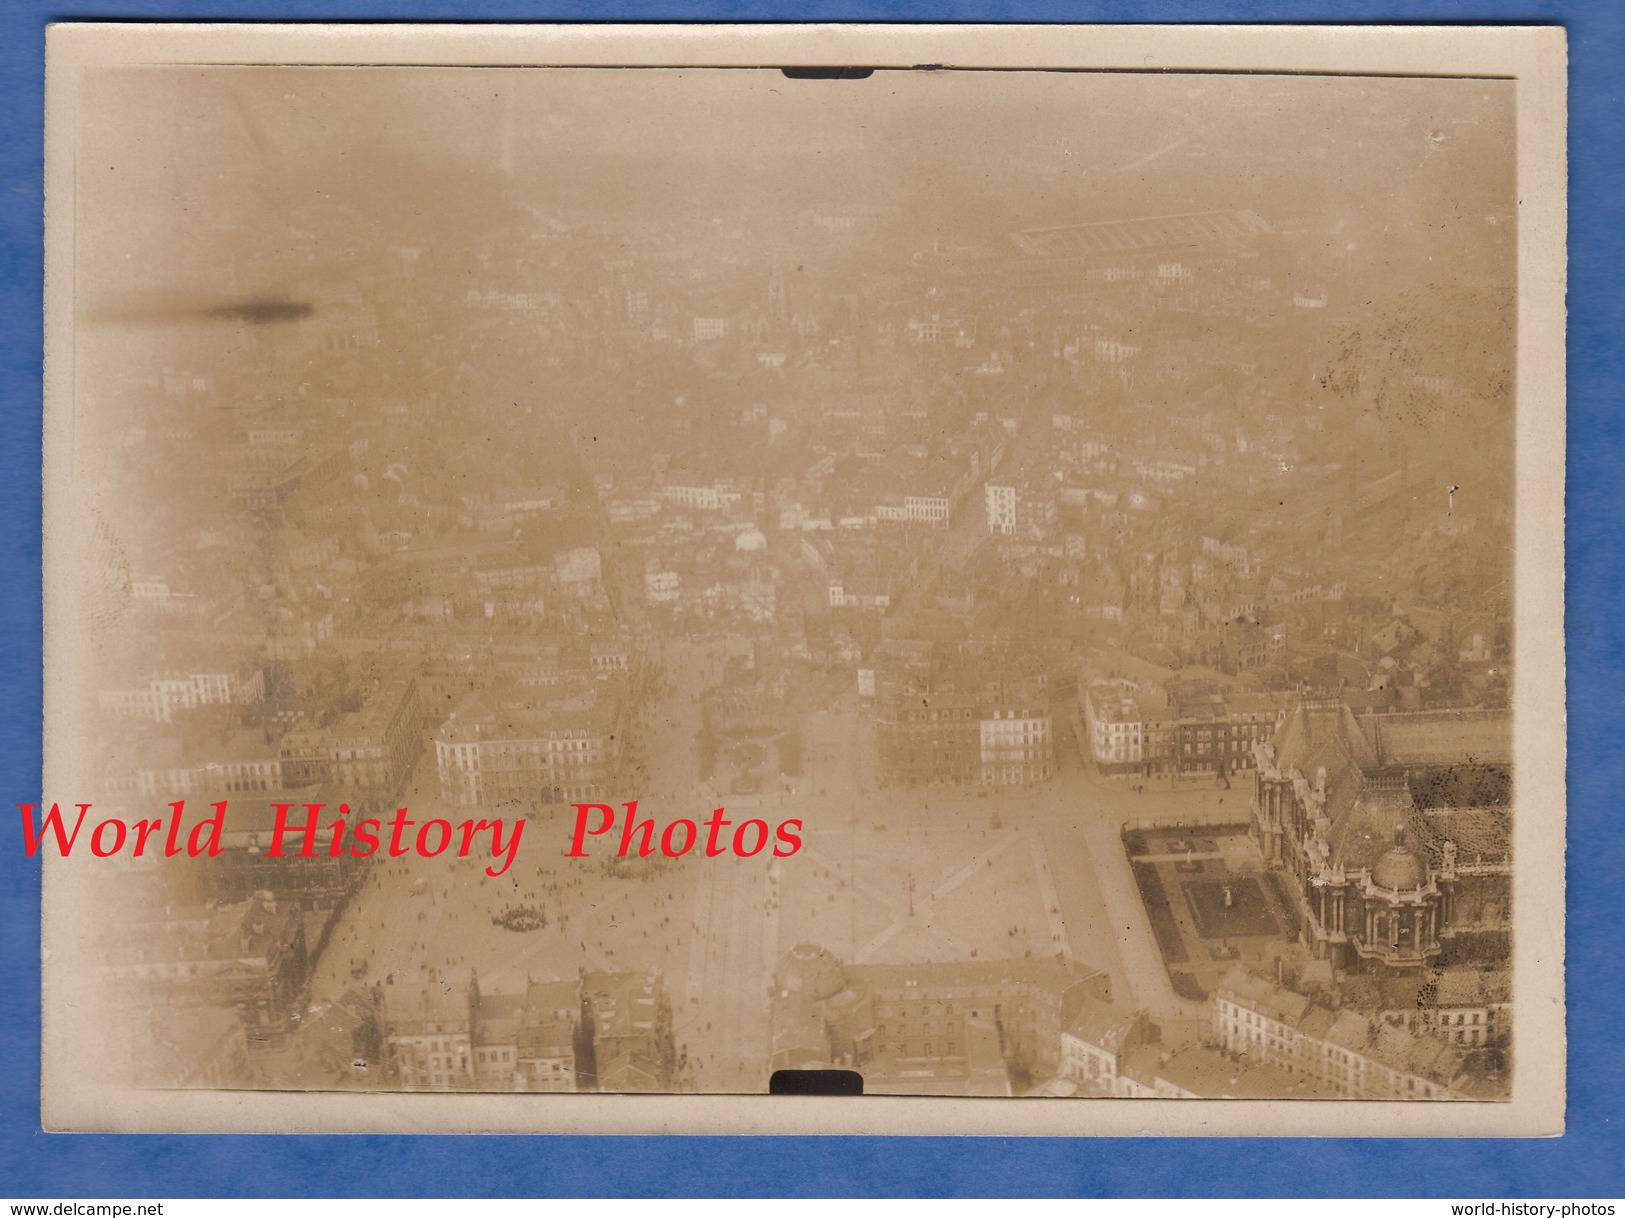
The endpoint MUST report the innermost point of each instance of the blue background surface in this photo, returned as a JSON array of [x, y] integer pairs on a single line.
[[1586, 1162]]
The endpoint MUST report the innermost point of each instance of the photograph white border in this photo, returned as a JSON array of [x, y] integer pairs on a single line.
[[1534, 57]]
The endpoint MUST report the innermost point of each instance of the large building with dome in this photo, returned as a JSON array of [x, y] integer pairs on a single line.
[[1394, 833]]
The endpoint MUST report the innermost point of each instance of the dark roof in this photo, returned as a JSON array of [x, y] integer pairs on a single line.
[[1443, 737], [1322, 733], [1480, 834], [811, 971], [1369, 826], [624, 1004], [1264, 996], [1399, 870], [1101, 1024], [1201, 1072]]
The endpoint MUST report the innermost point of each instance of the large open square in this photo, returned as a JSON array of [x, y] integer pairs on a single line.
[[894, 877]]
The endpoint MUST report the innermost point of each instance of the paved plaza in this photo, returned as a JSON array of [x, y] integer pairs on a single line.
[[883, 877]]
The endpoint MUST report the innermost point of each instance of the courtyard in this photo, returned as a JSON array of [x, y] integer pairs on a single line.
[[1211, 903]]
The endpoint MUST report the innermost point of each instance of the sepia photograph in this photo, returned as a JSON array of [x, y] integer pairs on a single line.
[[671, 572]]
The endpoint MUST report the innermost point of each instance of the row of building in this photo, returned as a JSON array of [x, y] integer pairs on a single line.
[[1048, 1026], [364, 754], [545, 745], [161, 696], [1135, 729], [246, 961], [599, 1031], [970, 1027], [547, 730], [968, 723], [960, 721], [1269, 1042]]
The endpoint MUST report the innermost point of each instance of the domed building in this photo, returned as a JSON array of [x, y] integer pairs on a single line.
[[818, 1019], [810, 971], [1394, 832], [1399, 870]]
